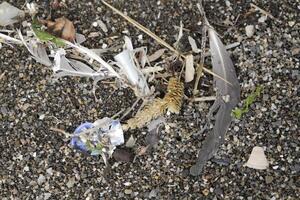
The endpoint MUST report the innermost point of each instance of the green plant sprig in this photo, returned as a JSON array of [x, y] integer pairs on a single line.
[[238, 112]]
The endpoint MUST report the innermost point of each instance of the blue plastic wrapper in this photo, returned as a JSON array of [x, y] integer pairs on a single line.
[[76, 142], [99, 137]]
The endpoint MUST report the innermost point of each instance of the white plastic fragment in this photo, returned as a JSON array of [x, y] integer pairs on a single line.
[[9, 14], [126, 63], [263, 18], [257, 159], [149, 70], [7, 39], [193, 44], [125, 60], [189, 68], [128, 43]]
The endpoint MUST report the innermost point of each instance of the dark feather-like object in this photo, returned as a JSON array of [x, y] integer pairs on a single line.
[[228, 96]]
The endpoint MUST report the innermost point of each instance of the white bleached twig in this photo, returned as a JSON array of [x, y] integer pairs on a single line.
[[10, 39], [94, 56]]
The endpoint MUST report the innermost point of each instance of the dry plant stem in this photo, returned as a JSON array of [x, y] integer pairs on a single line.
[[94, 56], [202, 99], [200, 67], [8, 38], [141, 27], [116, 116], [203, 42], [155, 37], [265, 12], [60, 131]]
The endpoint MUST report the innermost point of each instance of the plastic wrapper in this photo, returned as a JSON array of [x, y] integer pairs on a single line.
[[9, 14], [98, 138]]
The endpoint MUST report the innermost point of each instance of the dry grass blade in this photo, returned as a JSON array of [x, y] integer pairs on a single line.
[[155, 37], [264, 12], [141, 27], [60, 131], [200, 67]]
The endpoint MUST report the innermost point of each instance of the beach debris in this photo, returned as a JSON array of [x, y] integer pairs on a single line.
[[98, 138], [130, 142], [10, 14], [126, 62], [61, 27], [189, 68], [32, 8], [37, 50], [171, 102], [228, 96], [257, 159], [156, 55], [193, 44], [71, 67]]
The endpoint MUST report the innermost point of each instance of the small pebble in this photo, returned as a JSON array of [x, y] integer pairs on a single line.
[[269, 179], [41, 179], [127, 191], [249, 30], [94, 24]]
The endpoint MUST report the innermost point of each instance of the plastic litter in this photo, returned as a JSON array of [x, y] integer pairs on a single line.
[[98, 138], [9, 14]]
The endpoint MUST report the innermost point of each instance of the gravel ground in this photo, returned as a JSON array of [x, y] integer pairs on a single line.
[[36, 163]]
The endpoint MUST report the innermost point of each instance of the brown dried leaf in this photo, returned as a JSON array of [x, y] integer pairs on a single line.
[[61, 27]]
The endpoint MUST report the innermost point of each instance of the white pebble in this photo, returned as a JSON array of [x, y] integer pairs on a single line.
[[26, 168], [94, 24], [236, 128], [41, 179], [249, 30]]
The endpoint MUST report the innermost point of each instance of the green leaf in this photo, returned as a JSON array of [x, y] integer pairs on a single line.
[[45, 36], [238, 112]]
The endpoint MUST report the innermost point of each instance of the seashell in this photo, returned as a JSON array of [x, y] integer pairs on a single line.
[[257, 159]]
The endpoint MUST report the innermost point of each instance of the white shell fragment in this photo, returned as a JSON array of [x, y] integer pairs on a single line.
[[193, 44], [9, 14], [257, 159], [130, 142], [189, 68]]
